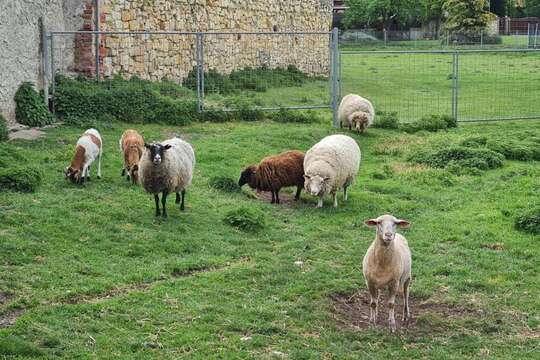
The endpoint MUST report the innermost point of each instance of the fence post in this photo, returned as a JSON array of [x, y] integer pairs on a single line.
[[45, 65], [53, 73], [96, 38], [385, 36], [335, 74], [481, 38], [200, 71], [455, 85]]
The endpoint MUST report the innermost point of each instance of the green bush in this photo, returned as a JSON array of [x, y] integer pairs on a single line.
[[432, 123], [463, 157], [30, 109], [258, 80], [526, 149], [295, 116], [132, 101], [386, 120], [246, 219], [20, 178], [529, 221], [3, 129], [224, 183], [9, 156]]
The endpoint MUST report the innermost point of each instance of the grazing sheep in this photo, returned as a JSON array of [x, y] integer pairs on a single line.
[[165, 168], [132, 146], [355, 111], [275, 172], [331, 164], [387, 264], [89, 148]]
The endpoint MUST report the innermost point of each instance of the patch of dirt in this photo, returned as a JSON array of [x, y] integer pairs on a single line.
[[28, 134], [493, 246], [285, 198], [351, 311], [9, 318], [4, 298]]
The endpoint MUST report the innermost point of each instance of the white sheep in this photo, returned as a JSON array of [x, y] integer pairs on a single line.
[[387, 264], [355, 111], [165, 168], [89, 148], [329, 165]]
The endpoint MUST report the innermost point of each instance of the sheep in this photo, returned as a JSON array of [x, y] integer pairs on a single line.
[[356, 111], [132, 146], [387, 264], [274, 172], [331, 164], [89, 148], [167, 167]]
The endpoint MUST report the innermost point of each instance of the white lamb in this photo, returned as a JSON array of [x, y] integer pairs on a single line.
[[329, 165], [165, 168], [387, 264], [355, 111]]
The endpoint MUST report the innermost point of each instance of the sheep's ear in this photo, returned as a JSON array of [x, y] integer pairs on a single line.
[[404, 224], [371, 222], [167, 147], [148, 146]]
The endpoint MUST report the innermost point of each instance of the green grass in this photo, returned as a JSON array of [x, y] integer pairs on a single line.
[[99, 277]]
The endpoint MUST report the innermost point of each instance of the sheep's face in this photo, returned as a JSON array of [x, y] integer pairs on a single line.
[[246, 176], [73, 174], [386, 227], [315, 184], [157, 152], [360, 121]]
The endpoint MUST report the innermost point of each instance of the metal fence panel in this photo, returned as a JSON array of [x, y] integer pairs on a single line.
[[270, 70], [474, 85], [412, 84]]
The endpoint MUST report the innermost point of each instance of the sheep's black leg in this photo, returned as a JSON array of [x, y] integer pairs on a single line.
[[123, 172], [177, 201], [156, 199], [298, 191], [183, 197], [277, 196], [163, 202], [273, 198]]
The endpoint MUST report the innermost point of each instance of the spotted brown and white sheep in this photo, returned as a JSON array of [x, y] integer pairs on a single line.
[[89, 148]]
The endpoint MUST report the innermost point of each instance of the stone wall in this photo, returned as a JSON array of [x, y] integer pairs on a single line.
[[20, 41], [157, 56]]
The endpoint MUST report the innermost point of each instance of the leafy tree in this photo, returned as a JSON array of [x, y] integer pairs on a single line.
[[466, 15], [532, 8], [382, 12]]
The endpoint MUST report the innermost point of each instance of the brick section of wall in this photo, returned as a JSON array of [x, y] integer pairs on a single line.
[[84, 59]]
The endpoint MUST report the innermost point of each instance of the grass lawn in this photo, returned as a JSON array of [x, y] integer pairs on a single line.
[[88, 272]]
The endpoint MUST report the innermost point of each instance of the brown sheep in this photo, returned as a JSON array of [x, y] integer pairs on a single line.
[[275, 172], [132, 146]]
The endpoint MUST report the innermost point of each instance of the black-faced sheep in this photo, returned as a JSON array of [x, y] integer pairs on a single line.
[[275, 172], [165, 168]]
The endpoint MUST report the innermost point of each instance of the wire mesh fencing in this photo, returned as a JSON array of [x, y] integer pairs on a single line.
[[370, 39], [218, 71], [467, 85]]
